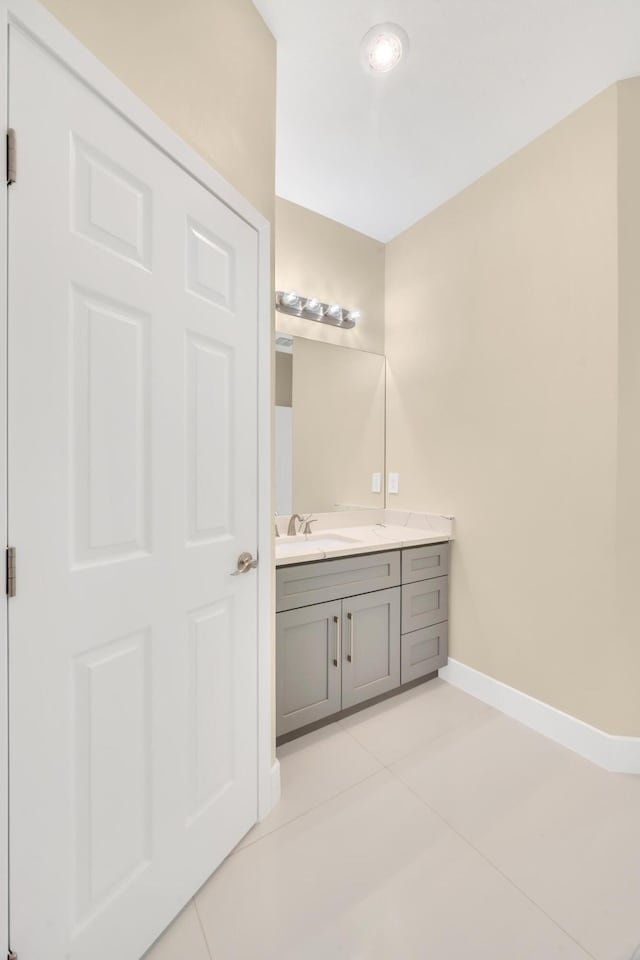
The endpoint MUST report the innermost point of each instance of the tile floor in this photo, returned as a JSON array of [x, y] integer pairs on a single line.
[[428, 826]]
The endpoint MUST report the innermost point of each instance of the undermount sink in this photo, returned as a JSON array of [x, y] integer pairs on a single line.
[[312, 543]]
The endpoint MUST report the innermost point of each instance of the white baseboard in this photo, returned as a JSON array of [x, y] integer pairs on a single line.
[[617, 754]]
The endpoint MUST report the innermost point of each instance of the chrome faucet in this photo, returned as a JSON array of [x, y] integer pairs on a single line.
[[291, 529], [307, 524]]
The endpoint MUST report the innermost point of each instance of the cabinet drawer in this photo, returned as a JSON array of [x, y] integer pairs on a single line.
[[424, 563], [308, 676], [424, 651], [324, 580], [424, 603]]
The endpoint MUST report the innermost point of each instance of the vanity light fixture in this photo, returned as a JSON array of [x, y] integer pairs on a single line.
[[383, 47], [310, 308]]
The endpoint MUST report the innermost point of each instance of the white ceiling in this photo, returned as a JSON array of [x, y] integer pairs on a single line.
[[482, 78]]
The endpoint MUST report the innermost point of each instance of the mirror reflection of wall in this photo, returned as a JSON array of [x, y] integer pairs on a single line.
[[330, 426], [284, 426]]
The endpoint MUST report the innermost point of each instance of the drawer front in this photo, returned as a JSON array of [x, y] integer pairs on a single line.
[[370, 646], [424, 651], [325, 580], [424, 603], [425, 563], [308, 676]]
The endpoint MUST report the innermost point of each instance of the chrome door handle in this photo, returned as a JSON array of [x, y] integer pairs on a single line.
[[350, 654], [245, 563], [336, 659]]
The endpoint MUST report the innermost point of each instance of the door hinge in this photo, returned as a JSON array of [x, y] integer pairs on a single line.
[[12, 158], [11, 571], [12, 956]]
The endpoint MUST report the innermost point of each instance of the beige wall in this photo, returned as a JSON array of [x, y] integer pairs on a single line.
[[320, 258], [503, 401], [206, 67], [338, 426]]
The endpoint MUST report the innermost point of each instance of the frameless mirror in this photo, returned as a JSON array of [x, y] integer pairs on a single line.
[[329, 427]]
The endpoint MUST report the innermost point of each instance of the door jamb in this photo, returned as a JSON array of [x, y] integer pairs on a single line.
[[38, 23]]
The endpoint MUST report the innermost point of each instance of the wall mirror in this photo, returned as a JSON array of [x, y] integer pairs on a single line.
[[329, 427]]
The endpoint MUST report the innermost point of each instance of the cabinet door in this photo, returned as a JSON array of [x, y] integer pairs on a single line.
[[371, 646], [307, 665]]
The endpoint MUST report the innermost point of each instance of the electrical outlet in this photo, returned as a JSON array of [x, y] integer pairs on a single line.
[[393, 485], [376, 483]]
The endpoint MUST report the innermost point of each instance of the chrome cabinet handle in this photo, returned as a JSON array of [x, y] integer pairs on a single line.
[[350, 654], [336, 659], [245, 563]]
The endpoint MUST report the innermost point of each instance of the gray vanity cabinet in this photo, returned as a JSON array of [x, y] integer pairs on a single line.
[[355, 628], [307, 665], [371, 646]]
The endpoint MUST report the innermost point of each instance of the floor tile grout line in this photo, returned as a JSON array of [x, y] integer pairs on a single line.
[[201, 925], [420, 746], [240, 849], [490, 862]]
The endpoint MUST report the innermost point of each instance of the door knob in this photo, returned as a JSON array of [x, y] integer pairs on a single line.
[[245, 563]]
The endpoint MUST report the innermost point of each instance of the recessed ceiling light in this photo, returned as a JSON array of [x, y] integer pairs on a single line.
[[383, 47]]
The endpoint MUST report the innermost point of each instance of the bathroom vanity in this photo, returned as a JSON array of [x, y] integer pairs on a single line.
[[354, 627]]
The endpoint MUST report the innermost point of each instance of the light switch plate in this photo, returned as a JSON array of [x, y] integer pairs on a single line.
[[376, 483], [394, 483]]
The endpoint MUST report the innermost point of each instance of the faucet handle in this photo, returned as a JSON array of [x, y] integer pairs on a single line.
[[307, 524]]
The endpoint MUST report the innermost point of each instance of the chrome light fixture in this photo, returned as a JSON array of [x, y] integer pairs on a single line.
[[310, 308]]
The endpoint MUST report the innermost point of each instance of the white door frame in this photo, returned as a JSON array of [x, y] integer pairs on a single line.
[[51, 35]]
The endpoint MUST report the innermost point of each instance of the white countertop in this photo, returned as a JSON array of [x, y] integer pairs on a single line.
[[384, 533]]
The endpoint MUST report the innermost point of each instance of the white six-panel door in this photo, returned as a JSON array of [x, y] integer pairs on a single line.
[[132, 491]]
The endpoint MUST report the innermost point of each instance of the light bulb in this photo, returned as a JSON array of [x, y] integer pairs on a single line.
[[313, 305], [290, 299], [354, 315], [385, 53], [334, 311], [383, 47]]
